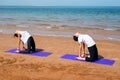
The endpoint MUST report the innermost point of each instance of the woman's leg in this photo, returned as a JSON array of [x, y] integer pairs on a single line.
[[30, 44], [93, 53], [33, 44]]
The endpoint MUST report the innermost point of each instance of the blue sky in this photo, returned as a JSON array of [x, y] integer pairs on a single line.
[[61, 2]]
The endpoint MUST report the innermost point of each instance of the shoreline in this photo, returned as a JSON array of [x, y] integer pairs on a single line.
[[64, 31]]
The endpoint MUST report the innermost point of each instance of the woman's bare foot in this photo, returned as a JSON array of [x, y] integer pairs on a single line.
[[80, 58]]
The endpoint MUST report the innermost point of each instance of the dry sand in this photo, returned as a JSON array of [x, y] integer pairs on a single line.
[[26, 67]]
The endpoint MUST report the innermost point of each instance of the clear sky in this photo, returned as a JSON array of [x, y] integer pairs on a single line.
[[61, 2]]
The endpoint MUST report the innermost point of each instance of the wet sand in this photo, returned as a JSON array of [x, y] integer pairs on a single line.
[[62, 30], [26, 67]]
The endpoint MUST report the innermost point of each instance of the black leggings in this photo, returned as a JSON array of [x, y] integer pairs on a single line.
[[93, 53], [30, 44]]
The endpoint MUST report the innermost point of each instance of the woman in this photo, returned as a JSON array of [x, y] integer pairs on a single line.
[[25, 38], [83, 40]]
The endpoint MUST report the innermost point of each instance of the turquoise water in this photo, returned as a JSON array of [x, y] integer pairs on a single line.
[[73, 16]]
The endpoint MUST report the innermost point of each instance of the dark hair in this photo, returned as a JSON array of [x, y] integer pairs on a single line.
[[75, 38], [15, 35]]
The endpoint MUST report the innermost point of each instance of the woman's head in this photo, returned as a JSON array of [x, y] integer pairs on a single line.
[[15, 35], [75, 36]]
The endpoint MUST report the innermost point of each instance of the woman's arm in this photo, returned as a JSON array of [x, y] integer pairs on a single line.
[[80, 51], [18, 44], [80, 48], [83, 49]]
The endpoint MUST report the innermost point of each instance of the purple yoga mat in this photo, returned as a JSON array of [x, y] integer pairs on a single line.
[[99, 61], [35, 53]]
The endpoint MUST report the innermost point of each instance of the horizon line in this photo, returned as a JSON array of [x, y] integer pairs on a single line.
[[66, 5]]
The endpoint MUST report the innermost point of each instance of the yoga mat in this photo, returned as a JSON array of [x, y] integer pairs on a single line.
[[35, 53], [99, 61]]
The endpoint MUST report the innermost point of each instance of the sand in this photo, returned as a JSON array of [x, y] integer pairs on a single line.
[[26, 67]]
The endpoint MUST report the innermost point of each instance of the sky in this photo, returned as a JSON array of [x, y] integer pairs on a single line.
[[60, 2]]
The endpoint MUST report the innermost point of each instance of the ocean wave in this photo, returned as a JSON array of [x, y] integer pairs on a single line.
[[22, 26], [114, 39], [111, 29], [7, 19]]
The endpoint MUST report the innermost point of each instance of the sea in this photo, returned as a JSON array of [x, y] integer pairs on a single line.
[[101, 17]]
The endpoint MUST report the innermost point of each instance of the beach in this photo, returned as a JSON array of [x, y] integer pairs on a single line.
[[27, 67], [52, 28]]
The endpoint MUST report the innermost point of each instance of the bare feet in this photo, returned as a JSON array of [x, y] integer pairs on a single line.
[[80, 58], [88, 56], [82, 55], [17, 51]]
